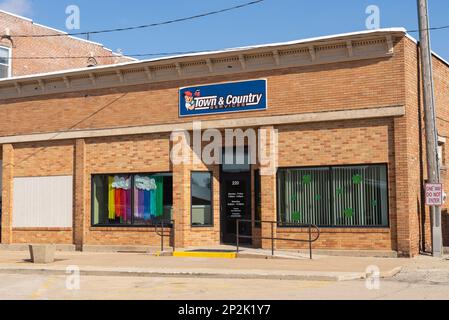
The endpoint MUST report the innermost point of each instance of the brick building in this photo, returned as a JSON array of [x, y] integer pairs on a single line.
[[86, 153], [15, 52]]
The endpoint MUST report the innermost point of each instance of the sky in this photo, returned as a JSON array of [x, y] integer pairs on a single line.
[[267, 22]]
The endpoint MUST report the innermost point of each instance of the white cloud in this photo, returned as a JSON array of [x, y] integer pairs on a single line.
[[20, 7]]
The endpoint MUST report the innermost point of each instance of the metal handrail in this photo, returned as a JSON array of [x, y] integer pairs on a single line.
[[272, 238], [162, 234]]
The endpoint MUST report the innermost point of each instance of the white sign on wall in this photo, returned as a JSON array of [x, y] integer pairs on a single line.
[[434, 194]]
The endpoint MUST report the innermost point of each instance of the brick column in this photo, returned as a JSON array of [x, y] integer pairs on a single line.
[[268, 187], [79, 211], [181, 208], [268, 184], [181, 191], [407, 189], [7, 192]]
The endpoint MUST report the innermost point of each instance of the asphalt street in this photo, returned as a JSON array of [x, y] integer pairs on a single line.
[[38, 287]]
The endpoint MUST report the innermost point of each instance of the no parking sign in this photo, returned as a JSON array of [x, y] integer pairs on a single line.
[[434, 194]]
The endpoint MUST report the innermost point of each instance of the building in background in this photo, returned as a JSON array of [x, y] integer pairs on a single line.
[[17, 53], [86, 153]]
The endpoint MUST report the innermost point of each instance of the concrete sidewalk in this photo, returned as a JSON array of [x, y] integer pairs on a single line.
[[323, 268]]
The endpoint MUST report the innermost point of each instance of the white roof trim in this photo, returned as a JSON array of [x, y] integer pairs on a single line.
[[433, 52], [65, 33], [408, 35], [364, 32], [269, 45], [440, 58], [16, 15]]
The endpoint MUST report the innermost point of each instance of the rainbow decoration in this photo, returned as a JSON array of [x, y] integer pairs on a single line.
[[148, 197]]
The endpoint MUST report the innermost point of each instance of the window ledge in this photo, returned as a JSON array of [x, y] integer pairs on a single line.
[[126, 229], [202, 228], [41, 229], [334, 230]]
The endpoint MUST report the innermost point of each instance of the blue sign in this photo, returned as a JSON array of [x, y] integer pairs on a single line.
[[223, 98]]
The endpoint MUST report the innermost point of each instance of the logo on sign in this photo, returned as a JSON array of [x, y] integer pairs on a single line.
[[221, 98]]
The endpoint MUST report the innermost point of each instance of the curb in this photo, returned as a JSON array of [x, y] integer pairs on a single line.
[[205, 273]]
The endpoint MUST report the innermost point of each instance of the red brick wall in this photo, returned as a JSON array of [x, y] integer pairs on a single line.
[[138, 154], [338, 86], [188, 235], [341, 239], [408, 162], [48, 46], [40, 160], [42, 235], [146, 153], [441, 79], [342, 143], [44, 159], [417, 141], [345, 86]]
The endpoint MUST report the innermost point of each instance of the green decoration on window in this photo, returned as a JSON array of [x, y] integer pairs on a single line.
[[296, 216], [318, 197], [307, 179], [339, 191], [159, 196], [374, 203], [294, 197], [357, 179], [349, 213]]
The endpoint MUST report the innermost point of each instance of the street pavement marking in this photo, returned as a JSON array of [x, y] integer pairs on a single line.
[[44, 287], [148, 290]]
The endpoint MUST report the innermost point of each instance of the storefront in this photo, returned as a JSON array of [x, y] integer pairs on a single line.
[[322, 131]]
